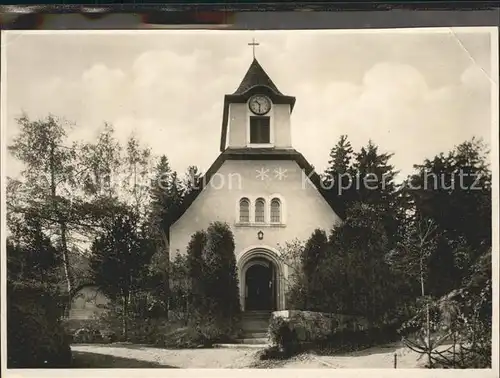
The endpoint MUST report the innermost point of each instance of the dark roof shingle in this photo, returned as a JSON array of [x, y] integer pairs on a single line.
[[256, 76]]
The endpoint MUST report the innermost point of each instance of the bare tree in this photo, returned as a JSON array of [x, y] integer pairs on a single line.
[[411, 257]]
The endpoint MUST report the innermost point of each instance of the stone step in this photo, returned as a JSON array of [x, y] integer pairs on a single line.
[[251, 314], [254, 326], [253, 341], [255, 320], [266, 320], [255, 335], [257, 316], [252, 346]]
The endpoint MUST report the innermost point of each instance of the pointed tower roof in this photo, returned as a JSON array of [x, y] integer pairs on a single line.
[[256, 76], [255, 81]]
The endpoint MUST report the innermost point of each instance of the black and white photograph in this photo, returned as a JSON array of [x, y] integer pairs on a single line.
[[221, 199]]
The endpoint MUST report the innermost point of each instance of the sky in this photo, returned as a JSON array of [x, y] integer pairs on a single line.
[[415, 94]]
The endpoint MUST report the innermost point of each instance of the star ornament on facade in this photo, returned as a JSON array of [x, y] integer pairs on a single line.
[[262, 173], [280, 173]]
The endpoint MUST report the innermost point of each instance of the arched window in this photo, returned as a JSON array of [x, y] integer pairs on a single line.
[[275, 211], [259, 210], [244, 210]]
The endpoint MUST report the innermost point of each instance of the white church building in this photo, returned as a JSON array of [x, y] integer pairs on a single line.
[[261, 186]]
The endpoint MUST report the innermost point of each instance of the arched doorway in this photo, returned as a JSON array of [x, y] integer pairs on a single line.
[[260, 285], [267, 258]]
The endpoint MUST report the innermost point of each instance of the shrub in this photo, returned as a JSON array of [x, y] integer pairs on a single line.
[[93, 330], [323, 333], [147, 331], [202, 336], [88, 335], [347, 340], [180, 288], [184, 337], [35, 335], [142, 330], [271, 353], [283, 336], [180, 338]]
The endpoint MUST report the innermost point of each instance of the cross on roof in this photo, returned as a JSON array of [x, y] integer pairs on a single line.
[[253, 44]]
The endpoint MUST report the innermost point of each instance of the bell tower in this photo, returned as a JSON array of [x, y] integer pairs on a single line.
[[257, 114]]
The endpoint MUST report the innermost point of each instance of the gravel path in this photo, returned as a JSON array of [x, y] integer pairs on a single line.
[[378, 358], [180, 358], [141, 356], [372, 358]]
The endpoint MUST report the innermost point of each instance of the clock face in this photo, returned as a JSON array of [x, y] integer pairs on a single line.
[[259, 104]]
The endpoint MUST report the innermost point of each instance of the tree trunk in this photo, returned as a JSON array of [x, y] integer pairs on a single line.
[[63, 228], [187, 317], [166, 279], [422, 277], [166, 299], [428, 338], [125, 317], [427, 314], [66, 263], [454, 350]]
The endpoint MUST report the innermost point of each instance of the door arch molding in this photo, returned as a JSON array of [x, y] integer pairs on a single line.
[[261, 255]]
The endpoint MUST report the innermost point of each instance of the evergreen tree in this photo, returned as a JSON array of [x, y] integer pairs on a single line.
[[376, 176], [191, 181], [337, 178], [375, 186], [347, 273], [220, 277], [196, 267], [31, 255], [361, 276], [119, 261], [453, 190], [313, 256], [166, 199], [364, 177], [340, 157]]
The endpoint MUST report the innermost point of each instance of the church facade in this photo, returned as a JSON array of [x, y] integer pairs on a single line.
[[262, 187]]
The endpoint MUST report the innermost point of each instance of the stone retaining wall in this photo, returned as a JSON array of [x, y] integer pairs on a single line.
[[311, 326]]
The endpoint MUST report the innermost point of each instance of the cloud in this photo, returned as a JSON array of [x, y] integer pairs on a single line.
[[395, 107], [476, 79], [414, 95]]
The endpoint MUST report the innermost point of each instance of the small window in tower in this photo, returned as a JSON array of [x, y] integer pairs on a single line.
[[259, 210], [244, 210], [275, 211], [260, 130]]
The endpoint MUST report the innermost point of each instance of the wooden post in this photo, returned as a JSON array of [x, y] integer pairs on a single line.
[[395, 360]]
